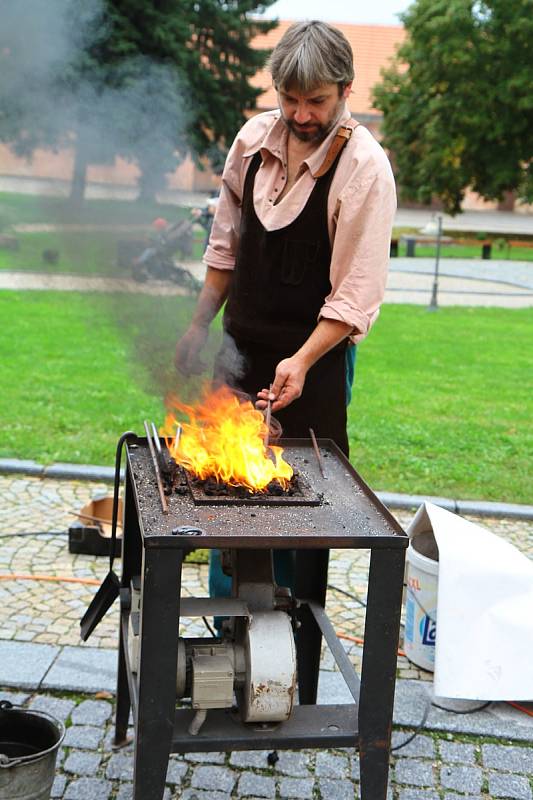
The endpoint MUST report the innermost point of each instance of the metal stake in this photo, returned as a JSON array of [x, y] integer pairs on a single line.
[[317, 452], [433, 305]]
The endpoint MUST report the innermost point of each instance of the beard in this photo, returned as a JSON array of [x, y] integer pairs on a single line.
[[308, 133], [316, 131]]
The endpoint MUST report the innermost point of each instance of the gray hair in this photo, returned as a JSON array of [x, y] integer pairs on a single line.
[[310, 54]]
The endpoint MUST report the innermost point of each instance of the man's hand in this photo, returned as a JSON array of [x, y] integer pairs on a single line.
[[288, 384], [291, 372], [188, 348]]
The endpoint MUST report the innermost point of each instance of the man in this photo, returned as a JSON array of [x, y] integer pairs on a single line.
[[300, 241], [299, 253]]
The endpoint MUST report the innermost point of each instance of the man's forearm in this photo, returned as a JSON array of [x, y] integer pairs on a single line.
[[327, 334], [212, 297]]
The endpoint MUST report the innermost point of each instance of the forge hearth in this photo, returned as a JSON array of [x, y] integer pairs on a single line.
[[340, 506], [212, 492]]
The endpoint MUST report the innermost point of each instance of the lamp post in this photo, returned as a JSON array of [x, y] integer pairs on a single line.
[[434, 227]]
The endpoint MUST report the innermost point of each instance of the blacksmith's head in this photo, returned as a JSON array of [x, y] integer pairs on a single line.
[[312, 70]]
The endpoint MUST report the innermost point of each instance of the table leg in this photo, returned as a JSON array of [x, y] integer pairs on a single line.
[[378, 674], [310, 584], [159, 623], [131, 565], [123, 697]]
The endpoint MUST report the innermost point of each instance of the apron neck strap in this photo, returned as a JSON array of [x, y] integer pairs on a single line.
[[340, 139]]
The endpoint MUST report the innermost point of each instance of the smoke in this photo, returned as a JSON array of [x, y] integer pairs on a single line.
[[72, 75], [230, 364], [65, 86], [39, 46]]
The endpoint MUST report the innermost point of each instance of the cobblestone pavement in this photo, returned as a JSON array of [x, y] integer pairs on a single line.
[[433, 767], [45, 612], [429, 768]]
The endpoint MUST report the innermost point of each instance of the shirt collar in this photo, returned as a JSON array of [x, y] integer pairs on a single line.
[[275, 142]]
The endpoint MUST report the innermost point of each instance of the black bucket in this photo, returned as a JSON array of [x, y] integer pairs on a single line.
[[29, 741]]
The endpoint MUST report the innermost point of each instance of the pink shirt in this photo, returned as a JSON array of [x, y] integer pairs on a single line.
[[361, 207]]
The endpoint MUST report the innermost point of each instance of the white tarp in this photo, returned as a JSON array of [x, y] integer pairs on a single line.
[[484, 643]]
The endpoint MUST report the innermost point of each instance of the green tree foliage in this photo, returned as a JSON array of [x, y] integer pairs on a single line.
[[458, 100], [147, 81]]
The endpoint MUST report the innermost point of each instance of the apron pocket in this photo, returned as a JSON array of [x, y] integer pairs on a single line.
[[298, 257]]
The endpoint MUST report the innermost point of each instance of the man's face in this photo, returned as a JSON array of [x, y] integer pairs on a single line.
[[310, 116]]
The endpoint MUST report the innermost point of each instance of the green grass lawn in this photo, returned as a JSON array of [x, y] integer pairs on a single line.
[[19, 209], [83, 253], [512, 253], [442, 404]]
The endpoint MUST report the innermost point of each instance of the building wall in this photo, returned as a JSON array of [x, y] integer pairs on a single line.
[[47, 165]]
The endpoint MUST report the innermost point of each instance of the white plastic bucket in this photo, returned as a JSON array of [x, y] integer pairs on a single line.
[[421, 600]]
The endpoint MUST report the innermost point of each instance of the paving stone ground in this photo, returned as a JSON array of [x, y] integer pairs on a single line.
[[89, 769], [434, 766]]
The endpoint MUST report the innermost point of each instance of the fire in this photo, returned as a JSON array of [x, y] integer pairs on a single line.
[[224, 440]]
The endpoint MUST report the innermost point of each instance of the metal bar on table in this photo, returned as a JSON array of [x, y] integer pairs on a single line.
[[268, 417], [163, 466], [317, 452], [156, 438], [162, 497]]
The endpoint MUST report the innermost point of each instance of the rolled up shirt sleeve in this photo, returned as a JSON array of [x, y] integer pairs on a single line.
[[362, 226], [223, 240]]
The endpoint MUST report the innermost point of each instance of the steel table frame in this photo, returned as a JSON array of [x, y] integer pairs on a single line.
[[160, 728]]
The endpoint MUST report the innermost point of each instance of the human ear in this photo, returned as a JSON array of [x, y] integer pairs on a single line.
[[347, 89]]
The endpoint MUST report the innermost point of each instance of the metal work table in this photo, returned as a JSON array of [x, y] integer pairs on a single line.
[[348, 516]]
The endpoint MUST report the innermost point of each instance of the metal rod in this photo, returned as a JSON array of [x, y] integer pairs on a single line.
[[162, 497], [156, 438], [163, 467], [317, 452], [177, 439], [267, 418]]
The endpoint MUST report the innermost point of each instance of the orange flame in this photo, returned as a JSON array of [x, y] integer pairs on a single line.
[[224, 440]]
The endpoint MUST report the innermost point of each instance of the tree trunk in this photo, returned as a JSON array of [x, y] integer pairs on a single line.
[[508, 202], [79, 174], [151, 181]]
